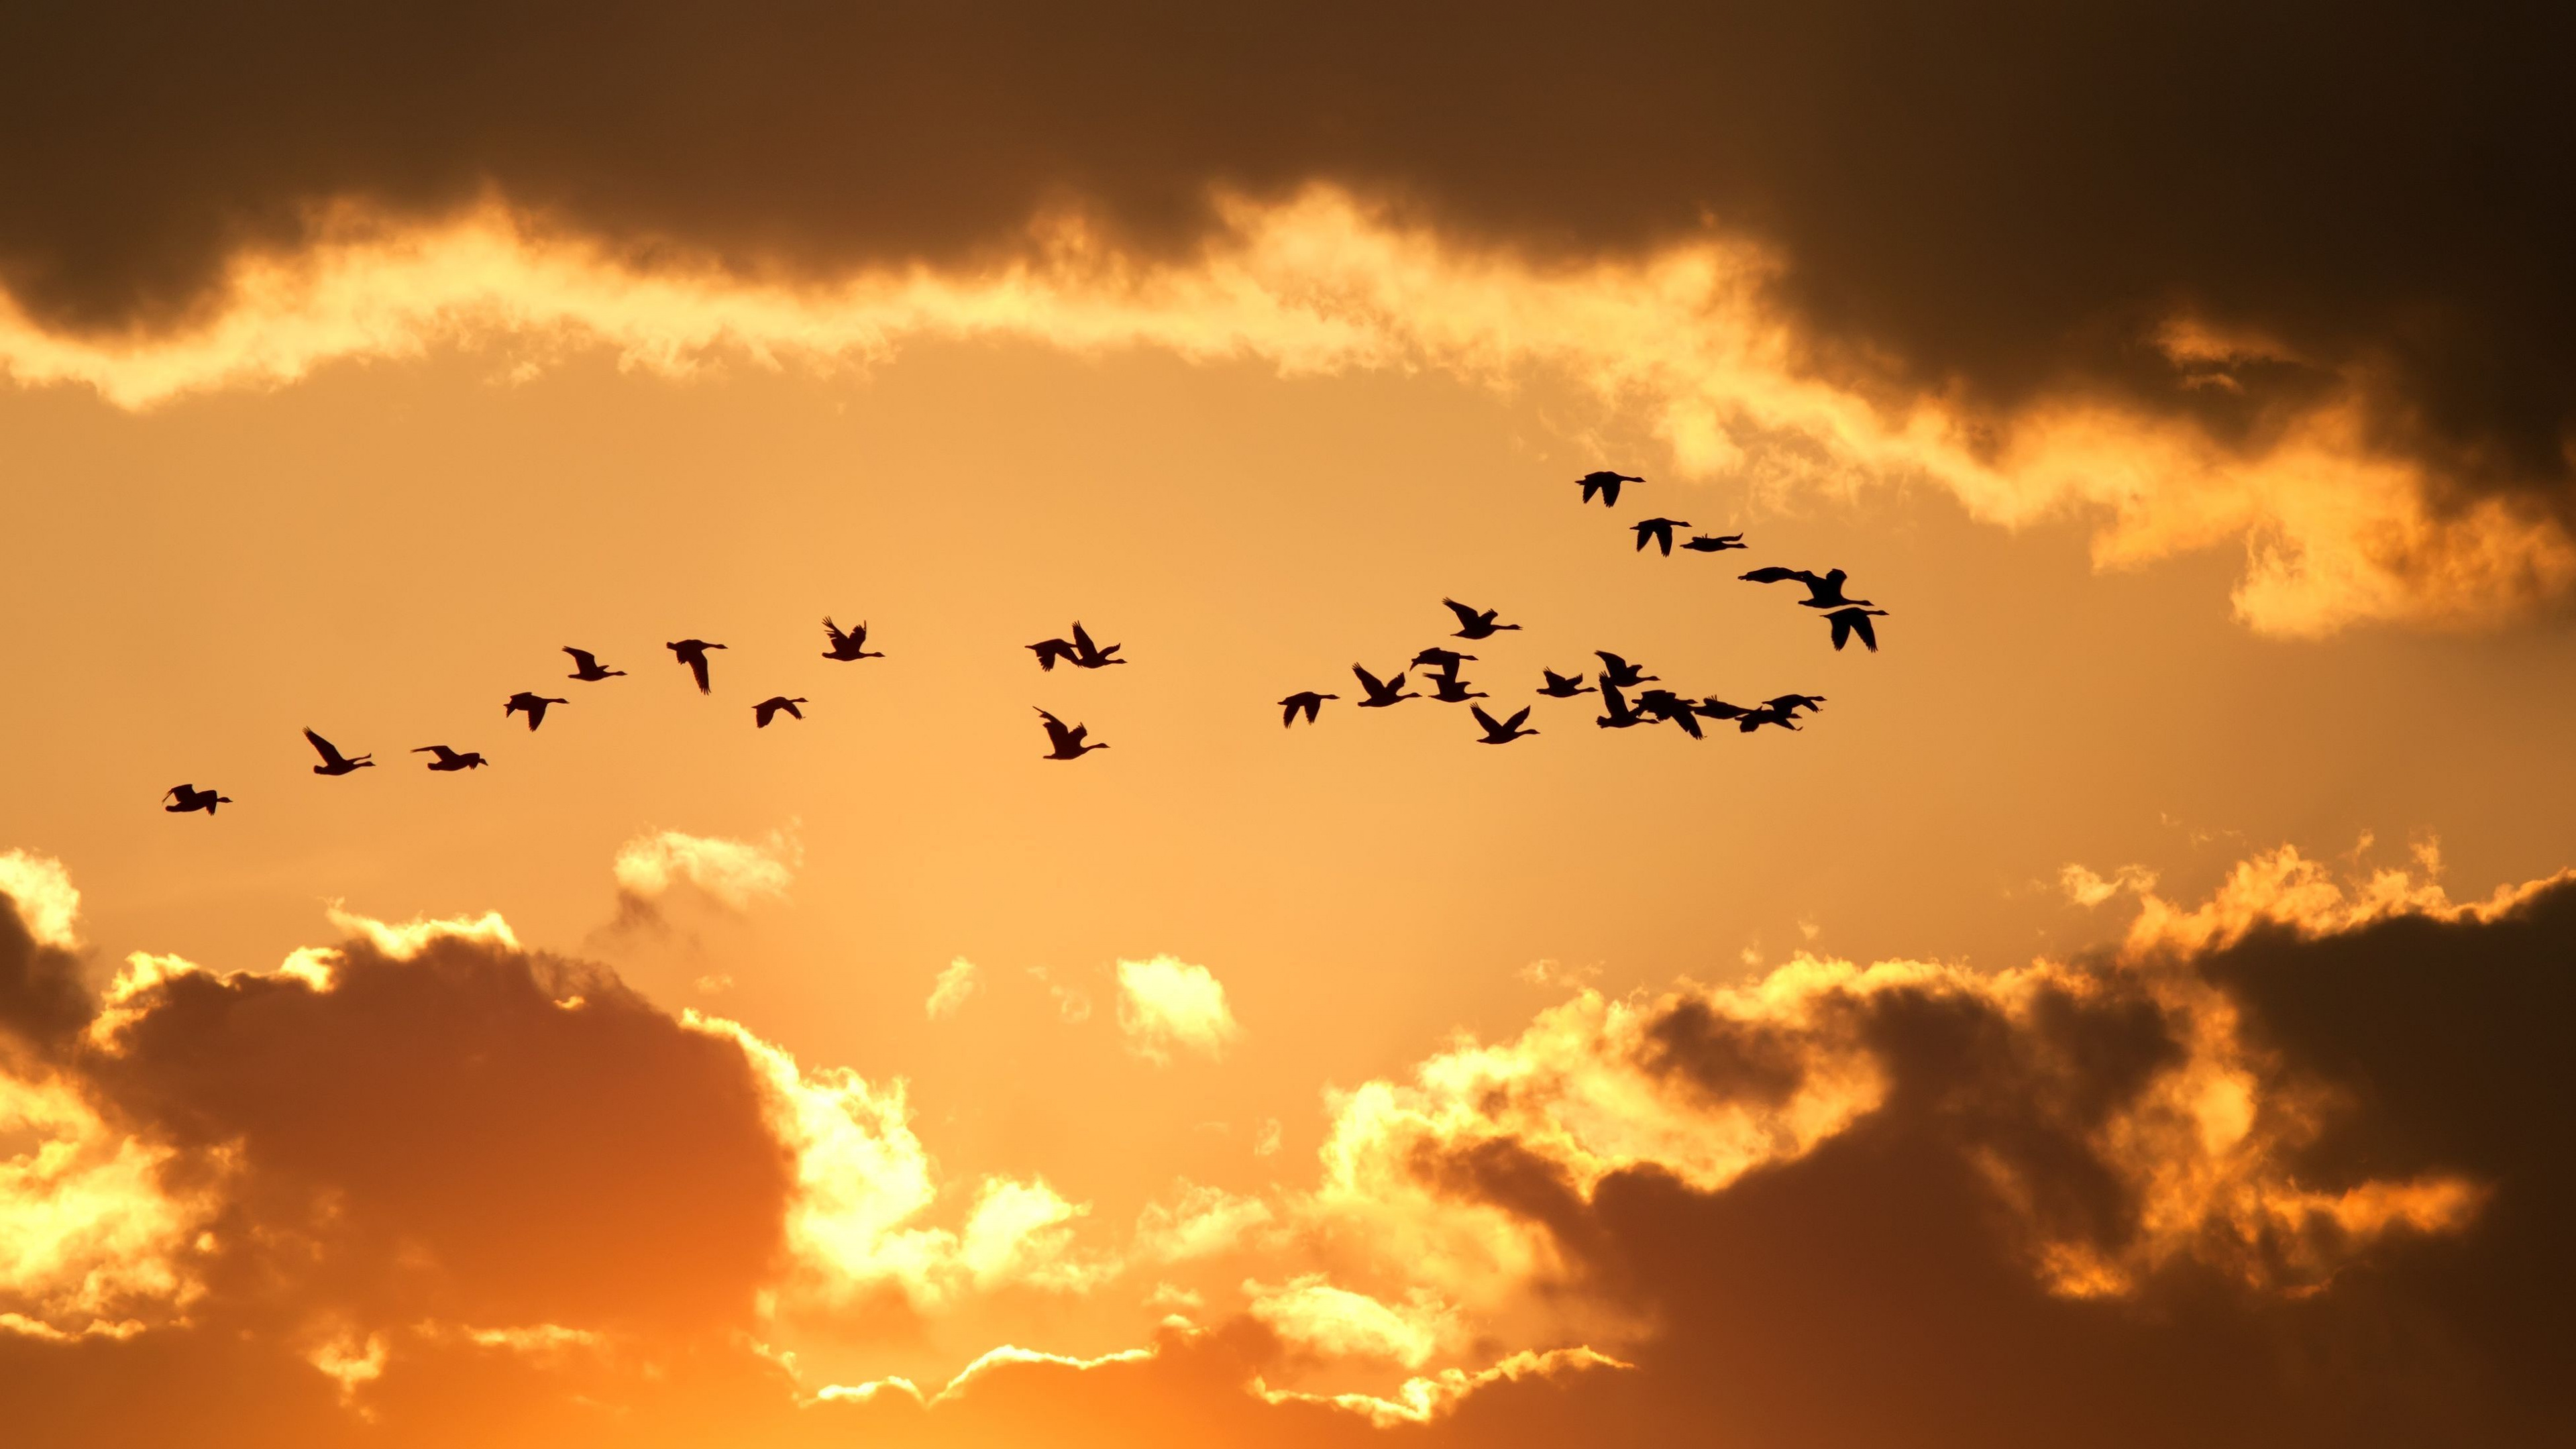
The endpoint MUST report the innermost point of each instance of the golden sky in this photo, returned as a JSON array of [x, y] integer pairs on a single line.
[[2121, 1014]]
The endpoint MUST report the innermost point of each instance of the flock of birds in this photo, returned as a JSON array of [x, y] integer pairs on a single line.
[[1848, 617]]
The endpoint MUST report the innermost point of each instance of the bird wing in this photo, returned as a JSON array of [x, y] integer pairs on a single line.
[[1467, 618], [1515, 723], [1868, 635], [1288, 711], [698, 669], [1616, 664], [1082, 640], [1688, 721], [834, 630], [582, 659], [1487, 720], [330, 755], [1057, 734], [182, 791], [1370, 682]]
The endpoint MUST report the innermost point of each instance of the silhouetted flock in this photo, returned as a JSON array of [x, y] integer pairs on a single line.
[[1849, 619]]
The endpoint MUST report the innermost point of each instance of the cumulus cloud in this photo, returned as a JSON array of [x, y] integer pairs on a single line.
[[1167, 1005], [48, 906], [1312, 1314], [736, 874]]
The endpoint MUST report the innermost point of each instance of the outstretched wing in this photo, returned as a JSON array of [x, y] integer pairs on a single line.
[[1082, 640], [1057, 735], [582, 659], [180, 791], [834, 630], [1688, 721], [1370, 682], [330, 755], [1487, 720], [698, 670], [1467, 618], [1860, 625], [1516, 720]]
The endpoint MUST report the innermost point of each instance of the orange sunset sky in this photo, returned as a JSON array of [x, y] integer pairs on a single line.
[[2124, 1012]]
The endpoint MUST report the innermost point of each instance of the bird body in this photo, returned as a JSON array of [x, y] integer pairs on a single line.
[[768, 709], [1619, 671], [1065, 741], [1501, 732], [1850, 622], [691, 652], [1475, 623], [1605, 483], [1716, 708], [333, 762], [1715, 543], [534, 704], [450, 760], [1450, 689], [1620, 716], [1306, 700], [848, 644], [1381, 693], [585, 666], [1088, 655], [1049, 651], [189, 797], [1823, 591], [1658, 531], [1564, 686], [1754, 719], [1792, 703], [1444, 660], [1663, 704]]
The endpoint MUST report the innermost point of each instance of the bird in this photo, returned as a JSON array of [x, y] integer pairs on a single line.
[[1663, 704], [1792, 703], [1450, 689], [1619, 671], [693, 653], [1754, 719], [534, 704], [1381, 693], [1475, 623], [1822, 593], [1848, 622], [1564, 686], [1715, 543], [1501, 732], [189, 798], [450, 760], [1659, 531], [848, 644], [1089, 655], [1049, 651], [767, 710], [1716, 708], [333, 762], [1620, 716], [1606, 484], [1444, 660], [1304, 699], [1066, 741], [585, 666]]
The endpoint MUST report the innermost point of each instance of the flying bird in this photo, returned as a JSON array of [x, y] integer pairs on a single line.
[[450, 760], [1089, 655], [585, 667], [1606, 484], [1304, 699], [534, 704], [189, 797], [1065, 740], [1475, 623], [1658, 531], [1564, 686], [1663, 704], [1444, 660], [1051, 650], [1754, 719], [767, 710], [1619, 671], [1822, 593], [1716, 708], [1620, 716], [848, 644], [1848, 622], [1715, 543], [333, 762], [1501, 732], [692, 652], [1381, 693], [1792, 703], [1450, 689]]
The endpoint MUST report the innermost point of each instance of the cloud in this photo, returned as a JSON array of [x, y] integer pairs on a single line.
[[948, 994], [1167, 1005], [1201, 1222], [1311, 1313], [47, 904], [737, 874]]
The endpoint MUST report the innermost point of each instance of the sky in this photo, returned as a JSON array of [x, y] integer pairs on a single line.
[[2120, 1013]]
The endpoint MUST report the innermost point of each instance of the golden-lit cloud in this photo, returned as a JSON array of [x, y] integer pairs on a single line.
[[1423, 1399], [1312, 1314], [957, 981], [48, 905], [1166, 1005], [737, 874], [1200, 1222], [92, 1237]]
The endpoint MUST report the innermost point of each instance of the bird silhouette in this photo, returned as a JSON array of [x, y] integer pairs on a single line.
[[1444, 660], [189, 797], [1715, 543], [1659, 531], [848, 644], [450, 760], [1754, 719], [1822, 593], [1475, 623], [767, 710], [693, 653], [1792, 703], [1620, 716], [1620, 672], [1564, 686], [1065, 741], [1381, 693], [585, 666], [1663, 704], [1716, 708], [1304, 699], [1450, 689], [1501, 732], [1606, 484], [1848, 622], [1051, 650], [333, 762], [1089, 655], [534, 704]]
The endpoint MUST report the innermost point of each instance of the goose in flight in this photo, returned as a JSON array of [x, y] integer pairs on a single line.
[[1065, 741], [1658, 531], [767, 710], [1475, 623], [585, 667], [1444, 660], [1754, 719], [333, 762], [1848, 622], [189, 797], [1620, 716], [1822, 593], [1381, 693], [1088, 655], [1306, 700], [1450, 689], [1501, 732], [534, 704], [1715, 542], [1716, 708], [1619, 671], [1049, 651], [692, 652], [1605, 483], [450, 760], [848, 644], [1564, 686], [1792, 703], [1663, 704]]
